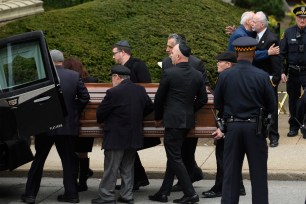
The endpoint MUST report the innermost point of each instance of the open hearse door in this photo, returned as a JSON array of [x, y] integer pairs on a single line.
[[30, 98]]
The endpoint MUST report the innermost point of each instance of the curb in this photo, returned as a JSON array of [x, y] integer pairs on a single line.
[[208, 175]]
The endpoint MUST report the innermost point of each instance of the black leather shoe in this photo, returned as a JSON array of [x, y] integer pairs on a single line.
[[68, 199], [28, 199], [159, 198], [176, 188], [211, 194], [242, 191], [139, 184], [100, 201], [273, 143], [187, 199], [123, 200], [292, 133], [303, 131]]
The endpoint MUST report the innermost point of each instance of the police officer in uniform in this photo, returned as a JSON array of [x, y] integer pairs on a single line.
[[225, 61], [243, 94], [293, 52]]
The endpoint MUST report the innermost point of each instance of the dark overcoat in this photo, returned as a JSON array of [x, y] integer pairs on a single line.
[[122, 111], [76, 97]]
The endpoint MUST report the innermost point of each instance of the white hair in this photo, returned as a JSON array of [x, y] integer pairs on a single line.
[[262, 17], [246, 16]]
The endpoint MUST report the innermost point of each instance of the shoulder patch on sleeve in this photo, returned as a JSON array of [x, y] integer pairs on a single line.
[[283, 35]]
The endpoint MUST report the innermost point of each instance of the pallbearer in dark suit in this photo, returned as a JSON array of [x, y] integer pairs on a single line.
[[181, 92], [122, 54], [189, 144], [122, 111], [76, 97], [243, 94], [272, 65]]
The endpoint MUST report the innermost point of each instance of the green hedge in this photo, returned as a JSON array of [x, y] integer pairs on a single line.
[[89, 30]]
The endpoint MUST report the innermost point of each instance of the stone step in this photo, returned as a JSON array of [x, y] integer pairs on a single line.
[[13, 9]]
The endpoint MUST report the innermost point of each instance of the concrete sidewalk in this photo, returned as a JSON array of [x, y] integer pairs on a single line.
[[286, 162]]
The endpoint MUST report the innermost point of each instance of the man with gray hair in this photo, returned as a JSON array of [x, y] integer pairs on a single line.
[[190, 144], [245, 29], [76, 97], [122, 111], [181, 92], [272, 65]]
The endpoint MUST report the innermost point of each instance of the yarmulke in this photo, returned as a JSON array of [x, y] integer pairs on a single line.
[[245, 44], [57, 56], [123, 43], [227, 56], [120, 69], [185, 50], [300, 11]]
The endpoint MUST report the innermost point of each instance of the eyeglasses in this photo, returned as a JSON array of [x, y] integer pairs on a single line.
[[114, 53]]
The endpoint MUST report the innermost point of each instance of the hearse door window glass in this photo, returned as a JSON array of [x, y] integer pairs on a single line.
[[20, 65]]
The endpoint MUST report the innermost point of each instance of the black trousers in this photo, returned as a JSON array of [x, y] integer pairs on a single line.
[[173, 141], [273, 133], [294, 84], [65, 147], [219, 159], [139, 171], [241, 139], [301, 109], [188, 151]]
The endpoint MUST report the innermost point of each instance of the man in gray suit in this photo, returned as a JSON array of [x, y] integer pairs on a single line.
[[122, 111], [181, 92], [189, 144]]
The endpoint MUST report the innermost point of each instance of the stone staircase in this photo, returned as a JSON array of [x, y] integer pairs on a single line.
[[13, 9]]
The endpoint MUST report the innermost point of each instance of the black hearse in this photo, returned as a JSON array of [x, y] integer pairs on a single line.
[[30, 98]]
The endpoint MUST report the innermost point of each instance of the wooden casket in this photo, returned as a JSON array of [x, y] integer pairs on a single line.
[[205, 120]]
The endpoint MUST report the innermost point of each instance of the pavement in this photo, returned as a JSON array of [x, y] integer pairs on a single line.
[[285, 162], [280, 192]]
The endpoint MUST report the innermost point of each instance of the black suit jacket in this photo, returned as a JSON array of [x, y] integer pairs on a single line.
[[122, 111], [193, 62], [76, 97], [139, 71], [181, 92], [272, 64]]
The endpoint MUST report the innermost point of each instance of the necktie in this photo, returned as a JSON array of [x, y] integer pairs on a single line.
[[257, 38]]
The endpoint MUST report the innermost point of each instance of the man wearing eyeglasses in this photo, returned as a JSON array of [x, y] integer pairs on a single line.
[[139, 74], [122, 55]]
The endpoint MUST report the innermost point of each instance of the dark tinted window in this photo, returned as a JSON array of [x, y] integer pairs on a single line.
[[20, 65]]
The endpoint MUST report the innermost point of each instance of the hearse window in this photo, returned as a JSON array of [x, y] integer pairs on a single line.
[[20, 65]]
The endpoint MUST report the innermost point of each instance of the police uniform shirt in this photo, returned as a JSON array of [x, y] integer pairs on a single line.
[[242, 90], [293, 46]]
